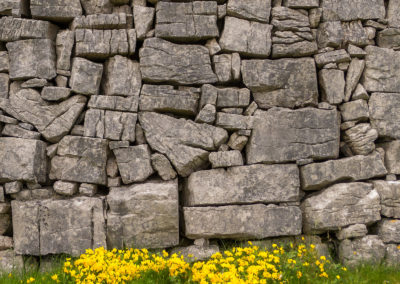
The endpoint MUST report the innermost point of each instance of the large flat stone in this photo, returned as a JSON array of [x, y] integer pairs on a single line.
[[283, 82], [369, 249], [143, 215], [101, 21], [162, 61], [118, 103], [12, 29], [85, 76], [239, 222], [55, 10], [389, 191], [384, 112], [340, 205], [389, 230], [318, 175], [58, 226], [22, 159], [282, 135], [351, 10], [257, 10]]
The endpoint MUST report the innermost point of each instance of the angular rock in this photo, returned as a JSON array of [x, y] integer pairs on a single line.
[[389, 38], [238, 222], [330, 34], [360, 93], [15, 8], [361, 138], [298, 49], [393, 13], [101, 21], [286, 19], [64, 44], [88, 189], [246, 37], [55, 93], [143, 17], [186, 21], [301, 4], [227, 67], [143, 215], [233, 97], [369, 249], [352, 231], [282, 135], [55, 10], [19, 132], [4, 61], [355, 33], [196, 252], [207, 114], [12, 187], [85, 76], [284, 82], [65, 188], [384, 114], [156, 67], [354, 110], [213, 46], [332, 84], [97, 6], [117, 103], [184, 142], [340, 205], [392, 156], [10, 261], [52, 227], [225, 159], [319, 175], [351, 10], [4, 85], [268, 184], [392, 256], [80, 159], [389, 192], [354, 73], [32, 58], [162, 166], [388, 230], [258, 10], [33, 83], [13, 29], [233, 122], [336, 56]]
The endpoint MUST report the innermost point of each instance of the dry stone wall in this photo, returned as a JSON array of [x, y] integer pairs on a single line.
[[160, 123]]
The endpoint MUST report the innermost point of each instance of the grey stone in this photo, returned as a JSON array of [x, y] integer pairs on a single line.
[[112, 167], [330, 34], [268, 184], [65, 188], [117, 103], [88, 189], [8, 120], [332, 84], [55, 93], [114, 182], [52, 120], [355, 33], [134, 163], [61, 81], [233, 122], [207, 114], [4, 61], [388, 230], [352, 231], [156, 67], [139, 133], [52, 227], [64, 44], [196, 252], [85, 76], [209, 95], [350, 10], [32, 58], [246, 37], [361, 138], [297, 49], [17, 131], [392, 256], [237, 142], [143, 17], [354, 110], [258, 10], [355, 51], [55, 10], [360, 93], [233, 97], [354, 73], [286, 19], [184, 142], [2, 198], [97, 6], [251, 109], [186, 21], [238, 222], [6, 243], [13, 29], [163, 98], [319, 175], [336, 56], [144, 215], [314, 16], [221, 11], [226, 159], [213, 46], [389, 191], [101, 21], [273, 84], [12, 187], [51, 150], [340, 205], [302, 4], [15, 8], [227, 67], [389, 38], [283, 135], [35, 83], [10, 261], [369, 249], [80, 159], [78, 130], [4, 85], [384, 114], [120, 144], [393, 13], [392, 156], [163, 166]]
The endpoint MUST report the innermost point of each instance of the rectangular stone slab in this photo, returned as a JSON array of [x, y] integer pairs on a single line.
[[241, 221], [243, 185], [384, 112], [351, 10], [12, 29]]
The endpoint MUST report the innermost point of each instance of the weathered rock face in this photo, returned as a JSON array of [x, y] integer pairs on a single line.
[[392, 156], [340, 205], [281, 135], [85, 76], [257, 10], [389, 38], [58, 226], [389, 230], [101, 21], [156, 67], [13, 29], [118, 103], [389, 192], [284, 82], [383, 109], [352, 231], [97, 6], [349, 10], [369, 249], [15, 8], [143, 215], [360, 138], [393, 13], [55, 10], [238, 221]]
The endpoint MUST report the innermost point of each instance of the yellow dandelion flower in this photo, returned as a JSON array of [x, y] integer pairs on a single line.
[[299, 274], [54, 277]]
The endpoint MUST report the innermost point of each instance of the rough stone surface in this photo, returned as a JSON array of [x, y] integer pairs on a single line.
[[101, 21], [332, 84], [355, 110], [64, 44], [10, 261], [4, 85], [13, 29], [55, 10], [143, 17], [393, 13], [117, 103], [55, 93], [392, 156], [361, 138], [15, 8], [388, 230], [225, 159], [97, 6], [389, 191], [383, 114], [352, 231], [369, 249], [392, 256], [85, 76], [350, 10], [65, 188], [258, 10], [162, 166]]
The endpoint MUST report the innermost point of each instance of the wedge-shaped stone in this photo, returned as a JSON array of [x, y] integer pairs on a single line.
[[101, 21], [332, 84], [384, 112], [144, 215], [282, 135], [340, 205], [257, 10], [184, 142], [361, 138], [186, 21], [64, 44], [246, 37], [389, 191], [243, 185], [12, 29], [22, 159], [283, 82], [162, 61], [85, 76], [15, 8], [80, 159], [52, 120], [319, 175], [97, 6], [239, 222], [369, 249], [32, 58], [114, 103], [58, 226], [351, 10], [55, 10]]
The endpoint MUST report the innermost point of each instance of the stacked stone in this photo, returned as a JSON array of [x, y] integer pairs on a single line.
[[244, 119]]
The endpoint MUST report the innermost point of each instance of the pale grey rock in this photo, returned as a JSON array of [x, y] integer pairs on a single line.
[[120, 144], [388, 230], [283, 135], [13, 29], [355, 51], [163, 98], [393, 13], [85, 76], [80, 159], [233, 97], [10, 261], [237, 142], [19, 132], [61, 81], [139, 133], [88, 189], [78, 130], [227, 67], [226, 159], [336, 56], [55, 93], [35, 83], [221, 11], [258, 10], [143, 17], [162, 166], [340, 205], [15, 8], [232, 110], [188, 21], [319, 175], [52, 227], [355, 33], [361, 138], [2, 198], [391, 177], [64, 44], [101, 21], [117, 103], [332, 85], [351, 10], [238, 222], [207, 114], [268, 184], [233, 122], [8, 120], [380, 24], [6, 243], [65, 188], [97, 6], [94, 123], [301, 4], [251, 109], [392, 256], [354, 110], [209, 95], [4, 85], [286, 19], [121, 77], [144, 215], [384, 114], [360, 93], [55, 10], [53, 121], [32, 58], [352, 231], [354, 73], [196, 252], [369, 249], [134, 163], [392, 156], [112, 167], [213, 46], [12, 187], [314, 16], [389, 191], [156, 67], [297, 49], [330, 34], [246, 37], [51, 150], [4, 61], [184, 142], [114, 182], [389, 38]]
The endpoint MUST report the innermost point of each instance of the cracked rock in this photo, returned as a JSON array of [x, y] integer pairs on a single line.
[[225, 159], [389, 191], [13, 29], [384, 114], [101, 22], [257, 10], [55, 10], [361, 138], [85, 76], [369, 249], [351, 10], [388, 230], [162, 166]]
